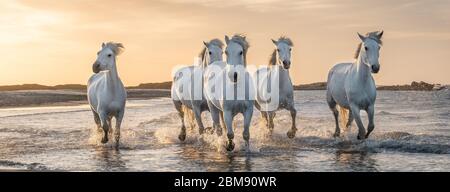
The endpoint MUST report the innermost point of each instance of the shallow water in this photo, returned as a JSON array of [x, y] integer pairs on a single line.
[[412, 133]]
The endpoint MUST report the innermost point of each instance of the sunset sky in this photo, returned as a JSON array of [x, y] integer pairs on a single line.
[[55, 42]]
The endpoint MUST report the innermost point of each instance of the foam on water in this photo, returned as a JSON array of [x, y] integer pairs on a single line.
[[406, 135]]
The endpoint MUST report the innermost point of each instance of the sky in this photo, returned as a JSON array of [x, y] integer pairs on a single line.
[[55, 42]]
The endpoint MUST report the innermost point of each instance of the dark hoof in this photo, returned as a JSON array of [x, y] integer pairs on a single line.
[[105, 140], [209, 130], [360, 138], [367, 136], [182, 137], [230, 146], [201, 131], [336, 135], [291, 134]]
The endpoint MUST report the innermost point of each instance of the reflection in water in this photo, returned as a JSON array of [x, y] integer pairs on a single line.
[[355, 160], [109, 159], [235, 162], [407, 137], [211, 160]]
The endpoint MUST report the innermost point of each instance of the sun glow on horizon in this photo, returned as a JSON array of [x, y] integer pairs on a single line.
[[55, 42]]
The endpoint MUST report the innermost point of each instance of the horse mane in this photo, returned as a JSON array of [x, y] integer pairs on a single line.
[[117, 48], [216, 42], [273, 56], [241, 40], [286, 40], [372, 35], [202, 54]]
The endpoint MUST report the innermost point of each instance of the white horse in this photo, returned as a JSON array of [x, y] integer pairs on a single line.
[[105, 91], [351, 85], [228, 89], [188, 81], [276, 74]]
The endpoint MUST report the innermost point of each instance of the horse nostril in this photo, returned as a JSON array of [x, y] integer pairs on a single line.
[[375, 68], [286, 64], [235, 77]]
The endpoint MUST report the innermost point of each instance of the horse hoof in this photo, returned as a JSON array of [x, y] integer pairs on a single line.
[[182, 137], [291, 134], [230, 146], [367, 136], [336, 135], [360, 138], [105, 140]]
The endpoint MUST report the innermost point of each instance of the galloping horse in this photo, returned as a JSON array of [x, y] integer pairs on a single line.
[[187, 87], [228, 89], [275, 79], [105, 91], [351, 85]]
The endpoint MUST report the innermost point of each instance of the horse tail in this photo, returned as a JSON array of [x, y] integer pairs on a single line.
[[343, 116], [189, 116]]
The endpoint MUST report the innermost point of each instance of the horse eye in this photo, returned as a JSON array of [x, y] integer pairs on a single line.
[[278, 50], [109, 55], [226, 52], [366, 48], [240, 53], [210, 52], [290, 49]]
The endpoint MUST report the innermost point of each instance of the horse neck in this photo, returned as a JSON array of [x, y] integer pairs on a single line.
[[362, 70], [113, 77]]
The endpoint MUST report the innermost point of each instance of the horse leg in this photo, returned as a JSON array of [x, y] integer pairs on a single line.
[[355, 111], [350, 120], [198, 118], [291, 133], [332, 105], [97, 120], [222, 122], [105, 126], [265, 117], [119, 118], [270, 120], [215, 115], [229, 125], [179, 108], [370, 113], [247, 121]]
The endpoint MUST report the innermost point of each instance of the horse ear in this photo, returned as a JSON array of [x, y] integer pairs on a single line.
[[103, 45], [227, 39], [205, 43], [380, 34], [361, 37], [274, 42]]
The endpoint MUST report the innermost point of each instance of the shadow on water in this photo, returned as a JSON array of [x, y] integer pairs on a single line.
[[109, 159]]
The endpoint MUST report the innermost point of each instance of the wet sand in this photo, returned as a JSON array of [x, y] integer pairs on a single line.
[[36, 98]]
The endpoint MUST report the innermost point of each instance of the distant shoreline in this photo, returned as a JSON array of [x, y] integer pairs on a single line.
[[68, 95], [39, 98], [414, 86]]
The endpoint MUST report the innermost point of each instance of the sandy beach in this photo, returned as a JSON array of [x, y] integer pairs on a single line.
[[35, 98]]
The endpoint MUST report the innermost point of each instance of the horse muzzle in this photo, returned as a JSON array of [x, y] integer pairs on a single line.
[[96, 67], [286, 64], [235, 77], [375, 68]]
